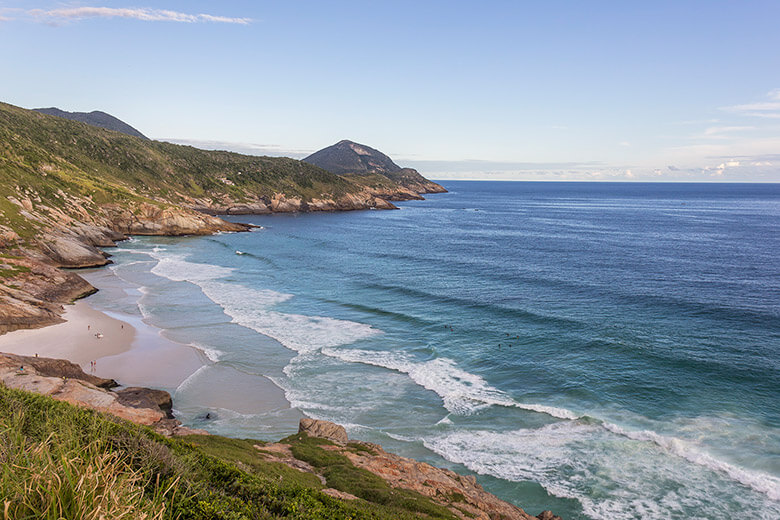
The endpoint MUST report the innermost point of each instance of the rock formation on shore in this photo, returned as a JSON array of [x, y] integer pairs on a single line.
[[65, 381], [461, 494]]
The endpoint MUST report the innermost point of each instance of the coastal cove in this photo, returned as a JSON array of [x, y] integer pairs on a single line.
[[373, 321]]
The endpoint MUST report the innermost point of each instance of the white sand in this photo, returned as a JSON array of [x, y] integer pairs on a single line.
[[129, 351], [75, 339]]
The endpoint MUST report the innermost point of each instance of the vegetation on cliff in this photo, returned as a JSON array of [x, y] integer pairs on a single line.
[[68, 188], [59, 461], [63, 164]]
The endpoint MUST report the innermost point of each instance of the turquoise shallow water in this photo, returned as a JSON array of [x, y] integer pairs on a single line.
[[601, 350]]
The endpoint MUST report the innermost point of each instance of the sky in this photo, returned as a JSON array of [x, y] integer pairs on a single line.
[[509, 90]]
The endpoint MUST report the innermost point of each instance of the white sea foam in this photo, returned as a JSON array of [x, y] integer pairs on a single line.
[[767, 484], [462, 392], [251, 308], [211, 353], [610, 477], [175, 267]]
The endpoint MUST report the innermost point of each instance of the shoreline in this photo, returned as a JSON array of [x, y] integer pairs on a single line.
[[139, 354], [128, 350]]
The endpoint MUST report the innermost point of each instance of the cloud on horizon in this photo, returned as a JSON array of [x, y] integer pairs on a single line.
[[67, 14], [244, 148], [765, 109]]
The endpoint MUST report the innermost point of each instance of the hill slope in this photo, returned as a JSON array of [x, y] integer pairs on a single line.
[[67, 188], [358, 160], [94, 118], [61, 461]]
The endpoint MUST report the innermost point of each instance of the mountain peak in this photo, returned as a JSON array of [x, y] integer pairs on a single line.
[[94, 118], [348, 157]]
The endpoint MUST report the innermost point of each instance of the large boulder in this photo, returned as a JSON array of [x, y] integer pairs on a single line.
[[71, 251], [323, 430], [139, 397]]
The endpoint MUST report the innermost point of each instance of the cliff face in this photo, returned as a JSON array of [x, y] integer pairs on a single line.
[[32, 292]]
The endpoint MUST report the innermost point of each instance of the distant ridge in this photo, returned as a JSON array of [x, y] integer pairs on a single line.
[[95, 118], [350, 158]]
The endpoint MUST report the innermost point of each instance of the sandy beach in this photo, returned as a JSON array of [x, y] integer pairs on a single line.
[[76, 339], [122, 347], [135, 353]]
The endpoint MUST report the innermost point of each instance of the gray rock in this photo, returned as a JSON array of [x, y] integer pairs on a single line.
[[323, 430]]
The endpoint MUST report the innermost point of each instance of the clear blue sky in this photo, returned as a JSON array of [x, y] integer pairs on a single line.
[[495, 89]]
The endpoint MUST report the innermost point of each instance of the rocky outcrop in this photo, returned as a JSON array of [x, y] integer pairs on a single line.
[[368, 198], [139, 397], [33, 291], [65, 381], [58, 368], [461, 494], [67, 250], [148, 219], [441, 485], [323, 430]]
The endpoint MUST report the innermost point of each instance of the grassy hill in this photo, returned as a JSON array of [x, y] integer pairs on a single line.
[[60, 461], [68, 188], [46, 155], [358, 160], [94, 118]]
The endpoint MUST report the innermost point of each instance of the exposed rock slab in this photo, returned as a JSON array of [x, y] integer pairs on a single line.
[[65, 381], [56, 368], [323, 430]]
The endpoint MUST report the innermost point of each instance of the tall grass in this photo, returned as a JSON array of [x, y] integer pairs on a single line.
[[58, 461], [57, 478]]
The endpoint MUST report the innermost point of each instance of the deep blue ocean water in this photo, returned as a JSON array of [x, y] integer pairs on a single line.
[[602, 350]]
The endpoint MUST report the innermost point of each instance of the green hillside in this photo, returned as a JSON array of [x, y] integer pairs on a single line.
[[60, 461], [51, 159]]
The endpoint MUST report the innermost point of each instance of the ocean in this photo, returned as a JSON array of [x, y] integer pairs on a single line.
[[603, 350]]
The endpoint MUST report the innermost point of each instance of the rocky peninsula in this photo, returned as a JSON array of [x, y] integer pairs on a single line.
[[69, 188]]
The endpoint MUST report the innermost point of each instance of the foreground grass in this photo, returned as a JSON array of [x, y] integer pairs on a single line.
[[59, 461]]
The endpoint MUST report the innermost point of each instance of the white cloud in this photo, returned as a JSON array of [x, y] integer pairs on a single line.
[[624, 143], [766, 109], [244, 148], [145, 14], [719, 131]]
